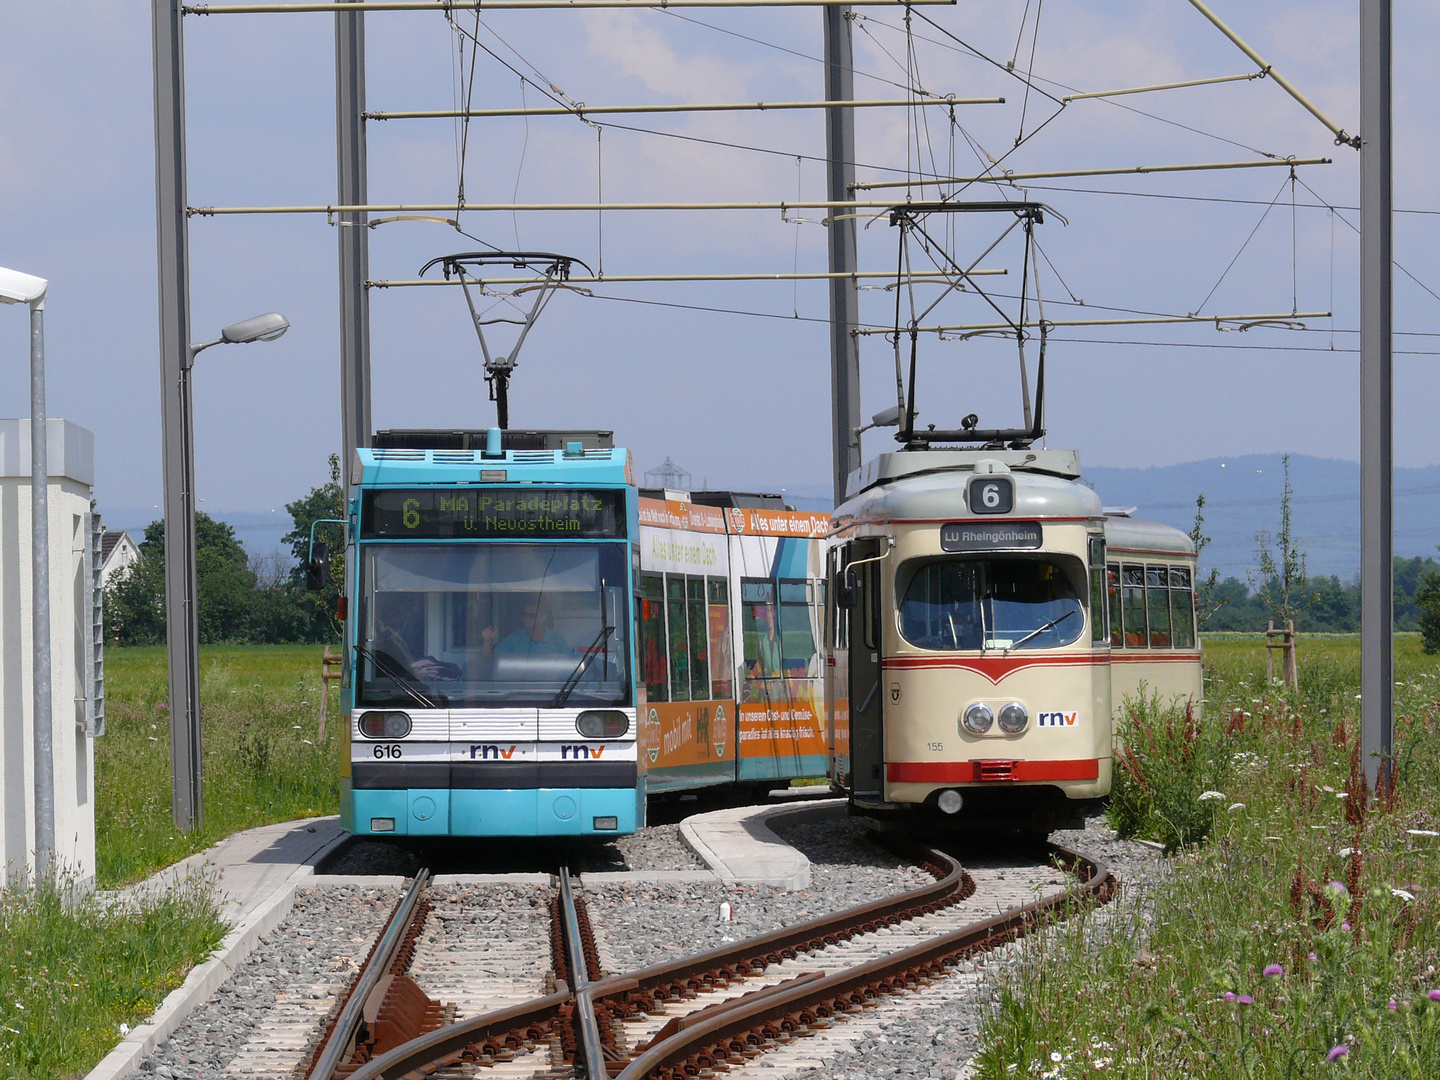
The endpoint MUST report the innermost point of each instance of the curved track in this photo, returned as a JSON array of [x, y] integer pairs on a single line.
[[388, 1028]]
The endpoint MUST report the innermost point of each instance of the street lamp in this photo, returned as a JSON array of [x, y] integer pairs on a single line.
[[182, 622], [18, 288]]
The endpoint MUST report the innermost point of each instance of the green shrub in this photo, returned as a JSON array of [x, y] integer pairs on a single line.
[[1171, 766]]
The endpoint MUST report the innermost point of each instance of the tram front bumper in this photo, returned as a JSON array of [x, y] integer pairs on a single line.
[[573, 811]]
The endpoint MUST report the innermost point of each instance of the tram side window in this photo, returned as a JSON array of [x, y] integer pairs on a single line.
[[699, 639], [759, 628], [1182, 607], [1157, 590], [796, 638], [1117, 630], [1132, 603], [721, 664], [679, 638], [652, 637], [1098, 625]]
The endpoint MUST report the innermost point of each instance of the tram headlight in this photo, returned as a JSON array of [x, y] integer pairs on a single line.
[[385, 725], [602, 723], [1013, 718], [978, 718]]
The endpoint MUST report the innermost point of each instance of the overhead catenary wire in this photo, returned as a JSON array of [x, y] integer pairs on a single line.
[[935, 276], [1060, 174], [342, 6], [582, 110], [512, 207], [1009, 327]]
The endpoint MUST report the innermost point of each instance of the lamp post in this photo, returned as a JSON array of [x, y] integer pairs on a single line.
[[182, 622], [18, 288]]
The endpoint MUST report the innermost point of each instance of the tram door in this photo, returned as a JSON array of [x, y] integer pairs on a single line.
[[867, 749]]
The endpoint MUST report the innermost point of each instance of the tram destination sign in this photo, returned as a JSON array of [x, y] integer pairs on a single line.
[[990, 535], [492, 513]]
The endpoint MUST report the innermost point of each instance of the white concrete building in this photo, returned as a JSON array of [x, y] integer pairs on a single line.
[[77, 675]]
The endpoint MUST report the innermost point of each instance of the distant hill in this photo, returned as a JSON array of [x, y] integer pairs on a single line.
[[1242, 496]]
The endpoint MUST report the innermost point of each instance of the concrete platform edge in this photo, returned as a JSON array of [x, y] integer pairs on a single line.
[[791, 872]]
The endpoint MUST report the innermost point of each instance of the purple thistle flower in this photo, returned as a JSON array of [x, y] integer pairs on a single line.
[[1229, 996], [1434, 995], [1392, 1005], [1339, 886], [1337, 1053], [1245, 999], [1312, 956], [1274, 971], [1345, 926]]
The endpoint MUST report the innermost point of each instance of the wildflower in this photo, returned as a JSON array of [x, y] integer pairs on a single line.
[[1337, 1053], [1338, 887], [1235, 808], [1273, 971], [1402, 894], [124, 1030], [1421, 832], [1312, 956], [1229, 996], [1209, 796], [1392, 1005], [1055, 1055], [1434, 995], [1245, 999], [1345, 926]]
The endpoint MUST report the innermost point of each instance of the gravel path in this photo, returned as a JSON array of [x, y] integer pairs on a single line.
[[260, 1022]]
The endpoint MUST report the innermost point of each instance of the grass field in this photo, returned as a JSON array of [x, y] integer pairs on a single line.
[[263, 761], [1299, 932]]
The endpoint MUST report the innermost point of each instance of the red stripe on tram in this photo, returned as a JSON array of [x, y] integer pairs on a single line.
[[969, 772]]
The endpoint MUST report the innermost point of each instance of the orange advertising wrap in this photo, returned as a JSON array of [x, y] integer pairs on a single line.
[[686, 734], [783, 729]]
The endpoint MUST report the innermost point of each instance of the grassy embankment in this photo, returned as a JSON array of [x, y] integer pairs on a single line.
[[74, 974], [260, 706], [1297, 935]]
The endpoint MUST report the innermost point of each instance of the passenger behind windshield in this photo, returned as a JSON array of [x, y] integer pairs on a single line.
[[533, 637]]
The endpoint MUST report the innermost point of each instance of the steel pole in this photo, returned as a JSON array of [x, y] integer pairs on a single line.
[[351, 189], [182, 630], [844, 298], [1377, 641], [41, 706]]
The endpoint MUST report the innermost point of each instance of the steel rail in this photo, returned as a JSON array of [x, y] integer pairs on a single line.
[[532, 5], [340, 1043], [886, 973], [582, 110], [591, 1048], [1066, 174]]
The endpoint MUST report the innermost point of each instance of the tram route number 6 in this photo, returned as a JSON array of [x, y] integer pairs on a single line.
[[991, 495], [387, 750]]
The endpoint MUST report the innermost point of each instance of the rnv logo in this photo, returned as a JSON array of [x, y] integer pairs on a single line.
[[490, 750], [578, 753], [1058, 719]]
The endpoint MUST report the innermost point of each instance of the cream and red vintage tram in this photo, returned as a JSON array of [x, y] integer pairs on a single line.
[[986, 620]]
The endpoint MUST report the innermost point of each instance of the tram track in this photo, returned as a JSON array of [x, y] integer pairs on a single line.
[[684, 1018]]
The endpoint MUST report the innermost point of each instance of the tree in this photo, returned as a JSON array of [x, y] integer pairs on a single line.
[[224, 579], [134, 603], [1208, 599], [1283, 586], [1427, 598], [326, 501]]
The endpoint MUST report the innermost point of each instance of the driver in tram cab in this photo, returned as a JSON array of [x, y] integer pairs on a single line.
[[399, 641], [535, 636]]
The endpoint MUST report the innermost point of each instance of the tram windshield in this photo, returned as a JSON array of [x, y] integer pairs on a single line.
[[996, 603], [491, 624]]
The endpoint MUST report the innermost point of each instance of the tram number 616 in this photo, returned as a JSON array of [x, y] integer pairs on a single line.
[[387, 750]]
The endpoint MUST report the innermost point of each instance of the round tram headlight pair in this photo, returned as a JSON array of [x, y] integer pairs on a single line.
[[1013, 718], [978, 718], [602, 723], [385, 725]]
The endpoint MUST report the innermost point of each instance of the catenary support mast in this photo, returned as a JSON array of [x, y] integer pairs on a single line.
[[1377, 641], [352, 190], [844, 298], [182, 633]]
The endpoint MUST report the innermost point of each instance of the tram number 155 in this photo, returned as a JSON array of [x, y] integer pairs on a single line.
[[387, 750]]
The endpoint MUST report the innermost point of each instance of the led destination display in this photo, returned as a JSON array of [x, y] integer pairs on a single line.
[[448, 513], [989, 535]]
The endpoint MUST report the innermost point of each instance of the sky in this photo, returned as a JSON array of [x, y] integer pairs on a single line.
[[739, 397]]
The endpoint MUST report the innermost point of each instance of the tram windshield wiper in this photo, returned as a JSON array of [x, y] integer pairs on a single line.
[[394, 676], [580, 668], [1039, 630]]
